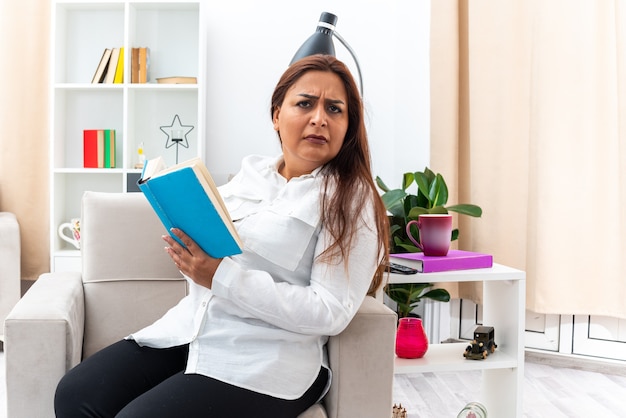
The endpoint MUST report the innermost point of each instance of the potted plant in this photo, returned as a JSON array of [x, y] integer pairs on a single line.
[[431, 196], [408, 296]]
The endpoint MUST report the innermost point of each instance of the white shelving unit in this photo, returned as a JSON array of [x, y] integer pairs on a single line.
[[175, 34], [504, 295]]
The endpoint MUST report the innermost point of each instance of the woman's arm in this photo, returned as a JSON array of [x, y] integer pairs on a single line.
[[326, 306]]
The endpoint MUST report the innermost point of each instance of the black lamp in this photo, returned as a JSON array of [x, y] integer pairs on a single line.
[[321, 42]]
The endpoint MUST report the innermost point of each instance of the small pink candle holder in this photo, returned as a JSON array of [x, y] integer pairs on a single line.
[[411, 338]]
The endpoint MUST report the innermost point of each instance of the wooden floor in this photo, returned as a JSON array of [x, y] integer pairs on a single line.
[[549, 392]]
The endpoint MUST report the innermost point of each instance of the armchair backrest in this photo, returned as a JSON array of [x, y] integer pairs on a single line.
[[129, 281]]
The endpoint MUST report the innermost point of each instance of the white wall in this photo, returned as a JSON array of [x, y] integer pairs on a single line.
[[251, 43]]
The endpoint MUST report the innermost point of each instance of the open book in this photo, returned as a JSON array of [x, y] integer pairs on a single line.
[[184, 196]]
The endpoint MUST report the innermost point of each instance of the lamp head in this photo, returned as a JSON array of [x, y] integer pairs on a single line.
[[321, 42]]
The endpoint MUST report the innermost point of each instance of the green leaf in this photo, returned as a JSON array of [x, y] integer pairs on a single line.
[[416, 289], [409, 248], [430, 175], [416, 211], [467, 209], [438, 210], [438, 192], [423, 185], [407, 180], [397, 292], [397, 211], [393, 201], [408, 295], [422, 201], [381, 185], [440, 295], [398, 240], [393, 197], [455, 234], [410, 201]]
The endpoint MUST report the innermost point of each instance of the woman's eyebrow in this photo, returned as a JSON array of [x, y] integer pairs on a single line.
[[313, 97]]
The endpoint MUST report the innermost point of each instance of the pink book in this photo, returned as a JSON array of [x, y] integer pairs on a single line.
[[455, 260]]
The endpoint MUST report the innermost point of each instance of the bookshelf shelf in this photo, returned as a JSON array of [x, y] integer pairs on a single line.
[[99, 171], [449, 358], [80, 31]]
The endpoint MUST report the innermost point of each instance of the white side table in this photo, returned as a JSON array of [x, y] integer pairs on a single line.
[[504, 296]]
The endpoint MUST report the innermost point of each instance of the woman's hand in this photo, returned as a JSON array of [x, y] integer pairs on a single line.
[[191, 261]]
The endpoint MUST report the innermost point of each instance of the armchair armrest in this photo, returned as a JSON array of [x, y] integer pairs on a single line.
[[43, 339], [362, 360]]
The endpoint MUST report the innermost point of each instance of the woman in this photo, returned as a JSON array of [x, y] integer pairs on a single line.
[[249, 339]]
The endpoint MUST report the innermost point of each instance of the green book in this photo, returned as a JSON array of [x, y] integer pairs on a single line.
[[109, 148]]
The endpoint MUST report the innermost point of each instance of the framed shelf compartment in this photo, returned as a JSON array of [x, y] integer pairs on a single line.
[[152, 108], [504, 296], [174, 34]]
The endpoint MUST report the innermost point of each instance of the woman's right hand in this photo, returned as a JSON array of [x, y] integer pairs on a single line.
[[191, 260]]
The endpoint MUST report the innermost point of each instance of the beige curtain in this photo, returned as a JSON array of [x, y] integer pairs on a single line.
[[529, 122], [24, 45]]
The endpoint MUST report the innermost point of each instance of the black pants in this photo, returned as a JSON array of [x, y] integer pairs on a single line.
[[126, 380]]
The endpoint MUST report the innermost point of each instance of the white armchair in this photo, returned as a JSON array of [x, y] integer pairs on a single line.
[[127, 282], [10, 288]]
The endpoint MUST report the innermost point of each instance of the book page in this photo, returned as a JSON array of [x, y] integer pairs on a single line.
[[152, 168], [203, 175]]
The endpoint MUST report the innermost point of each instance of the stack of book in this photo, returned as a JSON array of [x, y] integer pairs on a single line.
[[99, 148], [111, 66]]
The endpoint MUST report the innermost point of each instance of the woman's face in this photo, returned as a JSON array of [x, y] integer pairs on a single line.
[[312, 122]]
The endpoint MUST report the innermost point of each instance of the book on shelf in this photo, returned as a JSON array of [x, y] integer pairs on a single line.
[[92, 147], [144, 63], [112, 68], [455, 260], [184, 196], [99, 148], [134, 65], [119, 71], [140, 65], [177, 80], [109, 148], [101, 69]]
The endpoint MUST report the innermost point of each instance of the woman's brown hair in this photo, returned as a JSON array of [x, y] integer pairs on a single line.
[[349, 172]]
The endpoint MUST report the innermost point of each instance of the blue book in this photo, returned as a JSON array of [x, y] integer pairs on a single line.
[[184, 196]]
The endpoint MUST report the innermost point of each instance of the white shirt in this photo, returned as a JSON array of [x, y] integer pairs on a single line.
[[264, 324]]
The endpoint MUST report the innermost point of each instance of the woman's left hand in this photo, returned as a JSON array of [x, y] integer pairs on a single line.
[[192, 261]]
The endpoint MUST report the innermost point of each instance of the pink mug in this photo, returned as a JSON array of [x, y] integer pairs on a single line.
[[435, 233]]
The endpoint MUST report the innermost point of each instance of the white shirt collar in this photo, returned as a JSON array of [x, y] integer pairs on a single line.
[[275, 164]]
